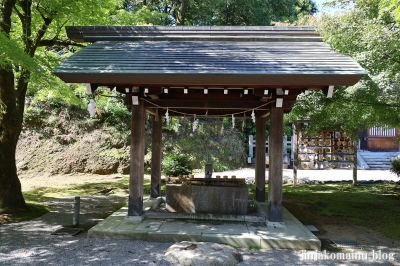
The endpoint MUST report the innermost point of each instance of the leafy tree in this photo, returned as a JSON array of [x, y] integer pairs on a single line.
[[32, 42], [228, 12], [370, 33], [304, 8]]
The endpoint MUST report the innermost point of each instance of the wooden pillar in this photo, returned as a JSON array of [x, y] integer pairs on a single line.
[[260, 158], [135, 204], [275, 165], [156, 151]]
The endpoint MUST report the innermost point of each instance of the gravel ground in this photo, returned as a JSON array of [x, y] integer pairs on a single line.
[[30, 242]]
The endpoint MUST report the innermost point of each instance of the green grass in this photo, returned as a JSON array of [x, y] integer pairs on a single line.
[[120, 186], [376, 206], [35, 197], [255, 248], [252, 191], [33, 210], [41, 194]]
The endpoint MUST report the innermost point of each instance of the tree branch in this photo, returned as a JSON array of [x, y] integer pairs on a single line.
[[58, 42], [21, 17], [5, 16], [39, 35], [60, 28], [25, 17]]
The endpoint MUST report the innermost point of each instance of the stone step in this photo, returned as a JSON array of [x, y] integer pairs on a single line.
[[379, 162], [386, 166], [379, 158], [376, 162], [379, 166], [376, 158]]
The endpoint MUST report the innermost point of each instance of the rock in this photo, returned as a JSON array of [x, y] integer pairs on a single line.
[[203, 254], [302, 181], [65, 139], [22, 166], [287, 180]]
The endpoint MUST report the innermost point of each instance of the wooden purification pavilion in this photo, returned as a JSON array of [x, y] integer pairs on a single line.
[[218, 71]]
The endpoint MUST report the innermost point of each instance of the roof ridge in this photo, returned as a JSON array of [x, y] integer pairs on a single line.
[[83, 33]]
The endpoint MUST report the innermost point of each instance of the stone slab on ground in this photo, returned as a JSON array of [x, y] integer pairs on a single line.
[[203, 254]]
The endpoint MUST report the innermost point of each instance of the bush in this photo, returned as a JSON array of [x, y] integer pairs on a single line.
[[395, 169], [176, 165]]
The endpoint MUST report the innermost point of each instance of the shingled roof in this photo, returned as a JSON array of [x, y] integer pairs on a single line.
[[207, 56]]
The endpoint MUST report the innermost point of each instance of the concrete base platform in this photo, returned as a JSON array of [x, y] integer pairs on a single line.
[[242, 232]]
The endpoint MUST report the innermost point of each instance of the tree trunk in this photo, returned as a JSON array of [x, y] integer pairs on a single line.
[[355, 161], [11, 113], [11, 199], [180, 13], [12, 103]]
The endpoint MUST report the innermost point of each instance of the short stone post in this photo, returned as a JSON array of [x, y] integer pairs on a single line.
[[77, 209]]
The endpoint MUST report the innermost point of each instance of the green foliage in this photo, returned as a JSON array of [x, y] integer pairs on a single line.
[[51, 112], [114, 153], [391, 6], [372, 38], [176, 165], [139, 16], [304, 8], [225, 13], [12, 54], [395, 167], [326, 113], [67, 95], [111, 109], [33, 210], [214, 141], [373, 206]]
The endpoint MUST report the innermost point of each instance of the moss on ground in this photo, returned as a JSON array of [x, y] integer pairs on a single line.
[[374, 206]]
